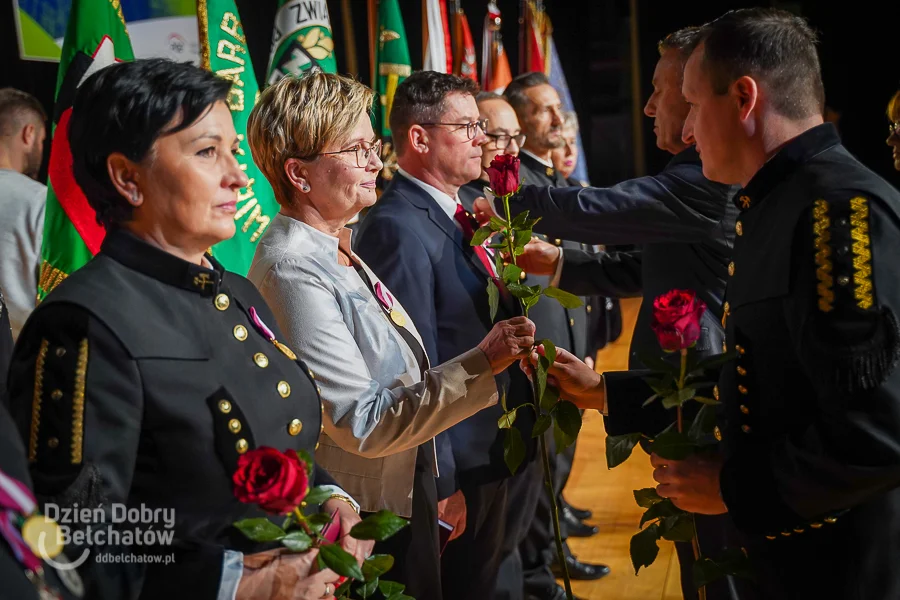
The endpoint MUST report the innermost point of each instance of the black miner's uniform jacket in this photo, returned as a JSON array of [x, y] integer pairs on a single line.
[[141, 379], [811, 434]]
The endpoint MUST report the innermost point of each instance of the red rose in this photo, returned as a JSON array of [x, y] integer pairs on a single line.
[[276, 481], [504, 174], [676, 319]]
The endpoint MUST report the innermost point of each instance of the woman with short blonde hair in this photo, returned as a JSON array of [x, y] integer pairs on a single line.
[[383, 403]]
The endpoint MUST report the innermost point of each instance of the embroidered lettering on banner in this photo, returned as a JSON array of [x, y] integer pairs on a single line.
[[823, 255], [862, 254]]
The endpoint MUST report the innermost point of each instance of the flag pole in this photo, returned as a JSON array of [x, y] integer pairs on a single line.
[[349, 38], [637, 115], [372, 14]]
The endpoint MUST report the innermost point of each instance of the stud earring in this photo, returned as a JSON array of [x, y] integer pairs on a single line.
[[304, 187]]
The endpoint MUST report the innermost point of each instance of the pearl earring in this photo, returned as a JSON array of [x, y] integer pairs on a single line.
[[304, 187]]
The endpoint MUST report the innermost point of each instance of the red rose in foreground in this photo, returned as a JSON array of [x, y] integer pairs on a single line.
[[676, 319], [504, 174], [276, 481]]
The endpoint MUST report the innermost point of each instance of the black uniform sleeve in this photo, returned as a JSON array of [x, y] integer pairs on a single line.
[[677, 205], [841, 315], [77, 398], [610, 274]]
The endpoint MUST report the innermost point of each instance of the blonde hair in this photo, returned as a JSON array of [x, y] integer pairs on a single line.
[[893, 108], [299, 118]]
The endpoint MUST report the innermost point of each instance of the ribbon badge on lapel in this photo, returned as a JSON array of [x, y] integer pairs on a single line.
[[269, 335], [387, 301]]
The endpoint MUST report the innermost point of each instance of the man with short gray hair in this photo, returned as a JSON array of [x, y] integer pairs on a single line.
[[22, 201]]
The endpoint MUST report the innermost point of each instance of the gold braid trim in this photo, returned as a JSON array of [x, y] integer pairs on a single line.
[[36, 400], [823, 255], [203, 21], [50, 278], [862, 255], [78, 403]]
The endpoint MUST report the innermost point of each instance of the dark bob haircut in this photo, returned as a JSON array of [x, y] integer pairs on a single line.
[[125, 108]]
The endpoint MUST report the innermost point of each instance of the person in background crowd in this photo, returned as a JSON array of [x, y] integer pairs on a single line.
[[384, 403], [539, 110], [22, 200], [147, 373], [893, 140], [565, 157], [417, 241], [504, 136]]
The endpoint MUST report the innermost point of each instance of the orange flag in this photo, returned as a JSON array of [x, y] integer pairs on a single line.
[[495, 71]]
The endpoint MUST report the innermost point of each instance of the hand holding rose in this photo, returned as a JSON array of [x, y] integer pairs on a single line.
[[576, 381]]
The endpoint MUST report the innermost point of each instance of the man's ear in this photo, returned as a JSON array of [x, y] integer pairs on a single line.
[[746, 93], [417, 138], [125, 176], [29, 134]]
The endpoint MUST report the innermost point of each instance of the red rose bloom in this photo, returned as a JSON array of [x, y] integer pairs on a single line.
[[676, 319], [276, 481], [504, 174]]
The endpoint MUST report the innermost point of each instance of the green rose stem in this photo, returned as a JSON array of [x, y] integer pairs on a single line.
[[545, 456], [695, 543]]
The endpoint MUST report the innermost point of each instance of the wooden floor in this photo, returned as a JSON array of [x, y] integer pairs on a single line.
[[608, 493]]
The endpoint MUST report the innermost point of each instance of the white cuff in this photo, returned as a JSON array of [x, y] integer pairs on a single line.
[[559, 267], [232, 571], [336, 491]]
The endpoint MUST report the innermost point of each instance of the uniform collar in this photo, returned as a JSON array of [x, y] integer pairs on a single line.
[[778, 168], [536, 164], [125, 248]]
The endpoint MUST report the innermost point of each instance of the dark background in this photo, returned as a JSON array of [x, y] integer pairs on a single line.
[[859, 52]]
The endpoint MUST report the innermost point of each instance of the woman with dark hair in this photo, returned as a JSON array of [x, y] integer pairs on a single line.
[[893, 115], [145, 375]]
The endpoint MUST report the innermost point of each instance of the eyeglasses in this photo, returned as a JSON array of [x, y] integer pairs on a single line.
[[503, 140], [363, 152], [471, 128], [894, 129]]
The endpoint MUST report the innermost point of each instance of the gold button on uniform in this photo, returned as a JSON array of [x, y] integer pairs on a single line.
[[319, 391], [717, 433], [739, 228], [588, 308], [294, 427], [234, 426], [731, 269], [771, 537], [241, 446], [831, 520], [311, 375], [284, 389], [60, 352], [557, 241], [222, 302], [716, 392], [745, 428], [743, 389], [53, 442], [240, 333], [816, 525], [786, 533], [261, 360], [225, 406], [741, 371], [745, 410], [56, 395], [799, 530], [571, 322], [740, 349]]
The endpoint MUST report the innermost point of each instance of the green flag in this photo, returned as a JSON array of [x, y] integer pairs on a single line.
[[392, 64], [302, 39], [96, 37], [223, 50]]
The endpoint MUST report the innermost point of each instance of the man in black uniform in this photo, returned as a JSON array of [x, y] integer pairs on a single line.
[[810, 428], [683, 224], [539, 111]]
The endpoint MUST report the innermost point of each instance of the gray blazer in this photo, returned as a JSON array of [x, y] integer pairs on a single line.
[[378, 409]]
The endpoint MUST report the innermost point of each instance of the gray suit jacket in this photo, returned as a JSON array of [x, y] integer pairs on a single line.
[[377, 405]]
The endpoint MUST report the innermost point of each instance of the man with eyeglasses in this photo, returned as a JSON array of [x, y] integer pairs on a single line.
[[416, 239]]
